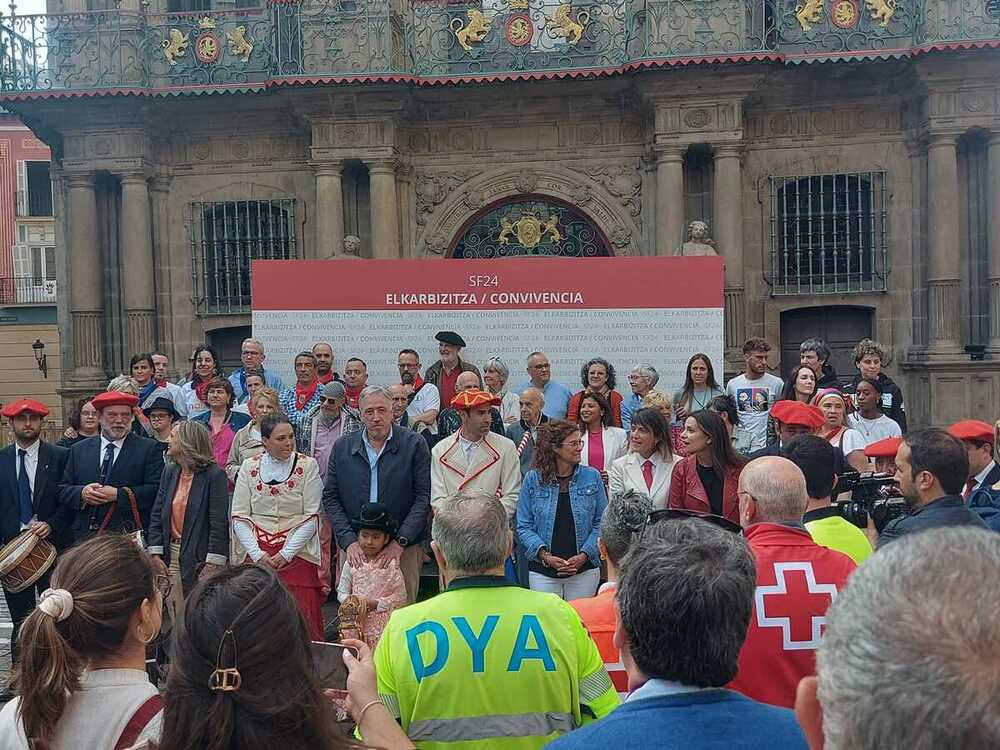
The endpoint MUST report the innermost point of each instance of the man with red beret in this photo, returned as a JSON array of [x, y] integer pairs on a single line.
[[112, 478], [884, 452], [474, 459], [791, 419], [979, 440], [30, 470]]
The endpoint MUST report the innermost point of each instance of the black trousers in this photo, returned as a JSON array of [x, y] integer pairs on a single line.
[[20, 605]]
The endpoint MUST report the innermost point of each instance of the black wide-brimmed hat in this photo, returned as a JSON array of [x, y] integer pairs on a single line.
[[450, 337], [163, 404], [375, 516]]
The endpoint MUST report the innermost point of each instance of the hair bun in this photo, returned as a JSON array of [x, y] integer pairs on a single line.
[[56, 603]]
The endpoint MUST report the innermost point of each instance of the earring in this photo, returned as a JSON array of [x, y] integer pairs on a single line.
[[144, 639]]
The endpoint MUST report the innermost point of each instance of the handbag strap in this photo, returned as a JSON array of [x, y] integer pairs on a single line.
[[135, 511], [139, 721]]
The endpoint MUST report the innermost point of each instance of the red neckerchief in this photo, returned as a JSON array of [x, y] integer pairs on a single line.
[[304, 394], [418, 384], [201, 389], [324, 379], [353, 394]]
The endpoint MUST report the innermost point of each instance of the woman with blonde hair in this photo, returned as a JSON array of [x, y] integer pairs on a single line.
[[189, 524], [247, 442], [665, 405], [82, 680]]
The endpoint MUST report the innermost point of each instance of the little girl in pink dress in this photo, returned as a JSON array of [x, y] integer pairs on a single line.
[[375, 588]]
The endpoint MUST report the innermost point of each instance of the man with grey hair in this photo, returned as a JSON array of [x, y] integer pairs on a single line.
[[642, 379], [685, 596], [816, 354], [909, 658], [252, 356], [325, 423], [796, 581], [381, 463], [624, 517], [486, 661]]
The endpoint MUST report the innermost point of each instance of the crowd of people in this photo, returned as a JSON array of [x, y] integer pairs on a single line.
[[694, 554]]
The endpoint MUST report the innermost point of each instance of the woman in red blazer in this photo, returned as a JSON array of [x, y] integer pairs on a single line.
[[705, 481]]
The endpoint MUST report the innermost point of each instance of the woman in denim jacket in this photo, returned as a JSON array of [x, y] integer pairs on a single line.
[[559, 514]]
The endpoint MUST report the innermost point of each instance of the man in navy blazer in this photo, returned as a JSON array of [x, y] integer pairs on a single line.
[[30, 470], [383, 463], [103, 470]]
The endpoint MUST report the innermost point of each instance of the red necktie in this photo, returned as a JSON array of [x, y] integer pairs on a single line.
[[647, 473], [968, 488]]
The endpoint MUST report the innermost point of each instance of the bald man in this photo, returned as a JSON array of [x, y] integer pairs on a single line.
[[797, 580], [449, 421]]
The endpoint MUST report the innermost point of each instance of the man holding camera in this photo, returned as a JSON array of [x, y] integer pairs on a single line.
[[822, 519], [931, 470]]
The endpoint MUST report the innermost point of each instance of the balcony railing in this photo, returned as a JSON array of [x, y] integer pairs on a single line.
[[429, 41], [27, 290]]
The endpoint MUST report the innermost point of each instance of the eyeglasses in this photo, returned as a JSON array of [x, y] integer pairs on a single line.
[[326, 400], [163, 584], [679, 514], [573, 444], [414, 366], [541, 367]]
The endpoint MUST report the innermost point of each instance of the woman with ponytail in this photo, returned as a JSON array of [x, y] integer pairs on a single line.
[[81, 680], [242, 675]]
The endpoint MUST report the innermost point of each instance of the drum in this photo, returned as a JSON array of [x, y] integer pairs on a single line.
[[24, 560]]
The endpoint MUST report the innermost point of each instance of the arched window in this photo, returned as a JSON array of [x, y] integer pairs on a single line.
[[828, 233], [530, 225]]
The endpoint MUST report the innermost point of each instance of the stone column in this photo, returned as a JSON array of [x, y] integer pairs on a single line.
[[993, 242], [669, 199], [727, 210], [943, 252], [329, 210], [86, 291], [137, 264], [385, 209]]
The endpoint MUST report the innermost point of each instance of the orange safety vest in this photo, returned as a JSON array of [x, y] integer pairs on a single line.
[[598, 615]]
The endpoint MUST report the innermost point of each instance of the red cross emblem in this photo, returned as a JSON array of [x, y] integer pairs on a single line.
[[789, 603]]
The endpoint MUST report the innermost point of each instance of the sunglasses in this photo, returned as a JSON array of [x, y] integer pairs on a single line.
[[326, 400], [679, 513]]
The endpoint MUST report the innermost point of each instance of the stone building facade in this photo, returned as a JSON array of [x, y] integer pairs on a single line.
[[851, 192]]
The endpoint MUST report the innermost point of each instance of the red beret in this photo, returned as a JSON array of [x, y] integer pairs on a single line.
[[23, 405], [972, 429], [886, 448], [795, 412], [114, 398], [474, 398]]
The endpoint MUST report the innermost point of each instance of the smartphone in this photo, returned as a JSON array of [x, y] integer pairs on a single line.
[[328, 663]]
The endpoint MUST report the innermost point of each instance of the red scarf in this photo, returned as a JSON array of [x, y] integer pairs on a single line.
[[201, 390], [353, 394], [418, 384], [304, 394], [324, 379]]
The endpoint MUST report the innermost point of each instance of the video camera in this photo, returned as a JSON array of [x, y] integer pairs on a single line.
[[874, 496]]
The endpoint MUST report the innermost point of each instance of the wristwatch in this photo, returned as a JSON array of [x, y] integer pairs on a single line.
[[403, 541]]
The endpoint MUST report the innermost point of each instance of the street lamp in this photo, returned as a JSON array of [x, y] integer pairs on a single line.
[[39, 349]]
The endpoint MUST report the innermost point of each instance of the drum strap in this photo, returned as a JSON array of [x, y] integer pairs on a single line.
[[135, 511], [139, 721]]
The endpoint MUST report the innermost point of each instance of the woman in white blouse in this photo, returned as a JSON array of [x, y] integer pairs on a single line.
[[648, 466], [276, 516], [495, 376], [602, 443]]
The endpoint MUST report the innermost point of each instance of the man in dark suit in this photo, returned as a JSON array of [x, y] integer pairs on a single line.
[[30, 470], [383, 463], [105, 472], [523, 432]]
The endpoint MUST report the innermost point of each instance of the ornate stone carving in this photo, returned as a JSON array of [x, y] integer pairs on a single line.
[[351, 249], [436, 244], [620, 237], [581, 194], [526, 181], [697, 118], [474, 199], [623, 181], [433, 187], [699, 242]]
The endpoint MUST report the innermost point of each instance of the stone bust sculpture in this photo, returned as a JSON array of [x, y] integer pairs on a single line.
[[351, 249], [699, 242]]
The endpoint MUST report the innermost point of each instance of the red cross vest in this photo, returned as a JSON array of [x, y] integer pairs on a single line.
[[797, 580]]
